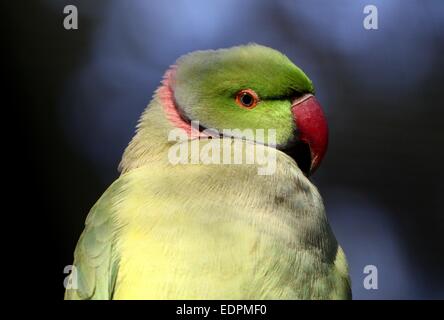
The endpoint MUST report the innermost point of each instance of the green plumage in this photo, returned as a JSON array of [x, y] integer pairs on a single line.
[[195, 231], [207, 82]]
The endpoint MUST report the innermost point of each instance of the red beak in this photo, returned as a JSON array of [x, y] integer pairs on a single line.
[[312, 127]]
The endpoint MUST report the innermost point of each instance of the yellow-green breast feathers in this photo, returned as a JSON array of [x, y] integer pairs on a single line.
[[210, 232]]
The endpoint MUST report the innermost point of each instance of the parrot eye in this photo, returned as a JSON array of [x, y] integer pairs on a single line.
[[247, 99]]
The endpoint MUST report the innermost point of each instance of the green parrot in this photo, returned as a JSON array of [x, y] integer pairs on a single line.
[[168, 229]]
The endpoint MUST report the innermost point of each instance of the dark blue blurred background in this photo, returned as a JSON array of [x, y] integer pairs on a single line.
[[81, 93]]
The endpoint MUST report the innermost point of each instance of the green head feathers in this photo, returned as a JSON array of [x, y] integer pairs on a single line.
[[207, 84]]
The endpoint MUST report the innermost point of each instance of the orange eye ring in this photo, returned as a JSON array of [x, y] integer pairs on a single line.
[[247, 99]]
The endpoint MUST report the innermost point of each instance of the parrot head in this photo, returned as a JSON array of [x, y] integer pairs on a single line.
[[250, 87]]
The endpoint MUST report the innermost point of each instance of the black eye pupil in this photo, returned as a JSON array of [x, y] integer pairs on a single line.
[[247, 99]]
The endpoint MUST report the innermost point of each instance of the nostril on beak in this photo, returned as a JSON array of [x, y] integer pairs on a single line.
[[301, 99]]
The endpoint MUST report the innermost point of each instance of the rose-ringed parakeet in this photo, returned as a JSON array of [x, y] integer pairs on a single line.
[[168, 230]]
